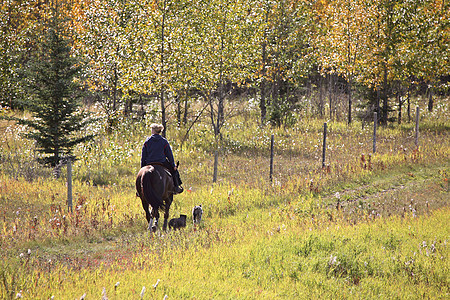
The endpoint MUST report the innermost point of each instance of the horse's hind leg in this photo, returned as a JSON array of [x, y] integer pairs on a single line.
[[154, 226], [149, 216], [146, 209], [150, 224]]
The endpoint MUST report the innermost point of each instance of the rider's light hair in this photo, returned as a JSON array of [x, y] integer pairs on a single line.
[[156, 128]]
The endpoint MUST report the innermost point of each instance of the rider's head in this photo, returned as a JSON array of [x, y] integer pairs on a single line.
[[156, 128]]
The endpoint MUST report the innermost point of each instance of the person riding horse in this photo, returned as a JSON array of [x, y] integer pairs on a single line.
[[156, 149]]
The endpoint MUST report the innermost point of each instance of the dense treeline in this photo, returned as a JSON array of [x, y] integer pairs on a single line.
[[284, 53]]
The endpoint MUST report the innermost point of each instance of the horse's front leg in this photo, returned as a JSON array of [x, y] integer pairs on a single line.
[[166, 211], [165, 222], [146, 209]]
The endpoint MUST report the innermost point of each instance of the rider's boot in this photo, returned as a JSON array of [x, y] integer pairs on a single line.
[[177, 183]]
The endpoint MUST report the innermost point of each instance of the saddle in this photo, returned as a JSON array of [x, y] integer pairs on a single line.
[[166, 169]]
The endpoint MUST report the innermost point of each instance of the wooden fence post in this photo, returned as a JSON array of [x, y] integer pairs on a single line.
[[216, 162], [324, 144], [417, 127], [375, 121], [271, 158], [69, 184]]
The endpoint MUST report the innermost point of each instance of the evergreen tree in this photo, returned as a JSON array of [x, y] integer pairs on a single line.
[[54, 95]]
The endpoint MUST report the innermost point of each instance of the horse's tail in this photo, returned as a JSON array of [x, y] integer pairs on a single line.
[[150, 195]]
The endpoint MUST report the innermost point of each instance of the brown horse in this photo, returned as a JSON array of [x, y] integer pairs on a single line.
[[155, 187]]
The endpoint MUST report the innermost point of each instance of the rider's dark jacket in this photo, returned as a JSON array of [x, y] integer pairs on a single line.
[[156, 149]]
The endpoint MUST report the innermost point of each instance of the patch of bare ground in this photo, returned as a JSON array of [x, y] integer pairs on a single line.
[[415, 192]]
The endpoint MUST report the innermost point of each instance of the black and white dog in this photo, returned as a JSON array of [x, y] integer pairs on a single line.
[[177, 223], [197, 213]]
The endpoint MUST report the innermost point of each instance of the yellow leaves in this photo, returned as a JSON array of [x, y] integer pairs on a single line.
[[201, 35]]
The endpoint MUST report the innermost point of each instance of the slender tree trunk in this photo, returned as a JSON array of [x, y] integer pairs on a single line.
[[185, 115], [163, 113], [349, 62], [216, 163], [178, 101], [321, 97], [141, 111], [115, 89], [400, 103], [216, 126], [276, 82], [384, 118], [7, 58], [377, 104], [128, 107], [220, 106], [409, 104], [217, 122], [330, 94], [349, 120], [430, 98], [262, 103], [163, 106], [263, 85]]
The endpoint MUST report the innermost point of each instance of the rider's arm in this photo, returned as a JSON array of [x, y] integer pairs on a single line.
[[143, 156], [169, 154]]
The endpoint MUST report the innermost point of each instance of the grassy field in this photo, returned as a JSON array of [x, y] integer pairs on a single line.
[[366, 226]]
